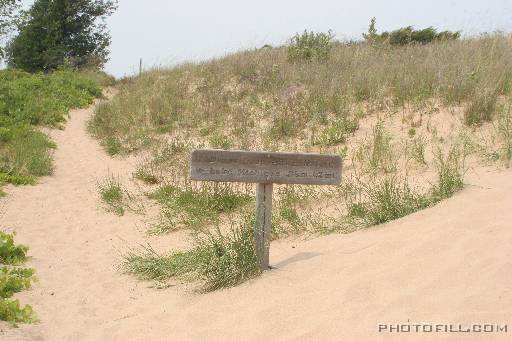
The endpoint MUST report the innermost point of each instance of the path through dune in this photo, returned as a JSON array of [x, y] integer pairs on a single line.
[[448, 264]]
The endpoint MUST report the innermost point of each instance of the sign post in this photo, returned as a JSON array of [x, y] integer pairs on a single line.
[[265, 169]]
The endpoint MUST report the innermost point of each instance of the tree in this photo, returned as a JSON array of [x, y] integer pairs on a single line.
[[9, 10], [58, 32]]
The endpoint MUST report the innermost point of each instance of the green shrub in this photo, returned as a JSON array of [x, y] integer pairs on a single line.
[[12, 312], [338, 131], [10, 253], [310, 46], [13, 280]]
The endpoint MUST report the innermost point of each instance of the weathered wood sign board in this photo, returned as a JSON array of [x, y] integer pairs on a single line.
[[265, 169]]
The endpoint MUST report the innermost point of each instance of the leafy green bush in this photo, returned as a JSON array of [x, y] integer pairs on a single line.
[[310, 46], [10, 253]]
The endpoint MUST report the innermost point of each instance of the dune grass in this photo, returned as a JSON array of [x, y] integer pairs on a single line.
[[218, 260], [194, 208], [232, 93], [267, 99], [113, 195]]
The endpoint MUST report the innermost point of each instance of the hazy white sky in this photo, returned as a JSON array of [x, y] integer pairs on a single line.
[[165, 32]]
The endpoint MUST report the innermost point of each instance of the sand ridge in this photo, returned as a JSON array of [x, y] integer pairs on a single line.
[[448, 264]]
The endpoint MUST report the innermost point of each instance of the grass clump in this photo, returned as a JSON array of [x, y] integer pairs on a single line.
[[193, 208], [14, 279], [113, 195], [376, 153], [338, 131], [481, 108], [218, 260], [383, 200], [450, 170]]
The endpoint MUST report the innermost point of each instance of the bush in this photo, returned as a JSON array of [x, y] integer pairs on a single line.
[[310, 46], [14, 279], [408, 35]]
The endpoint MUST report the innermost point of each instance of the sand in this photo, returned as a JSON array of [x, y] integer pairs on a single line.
[[447, 264]]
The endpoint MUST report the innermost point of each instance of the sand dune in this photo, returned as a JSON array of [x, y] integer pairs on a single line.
[[447, 264]]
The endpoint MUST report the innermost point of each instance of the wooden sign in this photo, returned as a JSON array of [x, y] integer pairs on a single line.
[[265, 169]]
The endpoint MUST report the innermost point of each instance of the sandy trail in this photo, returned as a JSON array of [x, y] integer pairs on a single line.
[[447, 264]]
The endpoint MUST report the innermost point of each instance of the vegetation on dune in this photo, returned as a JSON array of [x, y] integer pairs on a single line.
[[194, 208], [407, 35], [218, 259], [299, 100], [14, 279], [311, 95], [28, 100]]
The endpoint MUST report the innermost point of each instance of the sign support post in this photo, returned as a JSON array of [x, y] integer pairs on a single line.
[[262, 228]]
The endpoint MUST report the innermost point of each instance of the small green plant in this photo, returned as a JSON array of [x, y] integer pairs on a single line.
[[10, 253], [147, 173], [218, 260], [14, 279], [220, 141], [377, 152], [113, 195], [12, 312], [379, 201], [417, 150], [450, 170], [310, 46], [338, 131]]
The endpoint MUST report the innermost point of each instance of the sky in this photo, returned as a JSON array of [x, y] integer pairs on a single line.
[[168, 32]]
